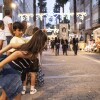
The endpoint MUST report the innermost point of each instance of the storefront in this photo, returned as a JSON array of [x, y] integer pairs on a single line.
[[96, 34]]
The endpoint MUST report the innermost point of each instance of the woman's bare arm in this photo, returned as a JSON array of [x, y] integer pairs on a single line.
[[1, 44], [13, 56], [9, 46]]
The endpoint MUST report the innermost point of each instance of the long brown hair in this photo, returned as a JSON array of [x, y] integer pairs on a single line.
[[36, 44], [31, 30]]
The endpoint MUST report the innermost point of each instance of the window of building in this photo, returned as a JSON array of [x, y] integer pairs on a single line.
[[95, 16], [22, 1], [82, 1], [87, 24], [87, 10], [94, 2]]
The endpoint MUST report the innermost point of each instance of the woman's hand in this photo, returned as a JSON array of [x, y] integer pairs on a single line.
[[10, 46]]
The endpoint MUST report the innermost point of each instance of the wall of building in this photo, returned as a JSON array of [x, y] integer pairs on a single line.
[[17, 10], [95, 13], [71, 17], [92, 20]]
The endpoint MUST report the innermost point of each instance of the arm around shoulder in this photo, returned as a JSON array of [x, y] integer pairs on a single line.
[[9, 46], [13, 56]]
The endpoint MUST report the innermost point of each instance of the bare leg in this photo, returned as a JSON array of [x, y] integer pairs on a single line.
[[18, 97], [24, 85], [3, 96], [40, 58], [33, 78]]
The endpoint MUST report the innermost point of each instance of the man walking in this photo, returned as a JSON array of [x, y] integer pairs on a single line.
[[64, 43], [57, 45], [75, 45], [8, 25]]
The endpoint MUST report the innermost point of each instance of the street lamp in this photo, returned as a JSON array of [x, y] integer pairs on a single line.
[[13, 5]]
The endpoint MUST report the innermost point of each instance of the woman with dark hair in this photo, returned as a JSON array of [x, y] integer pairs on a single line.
[[19, 61], [25, 75]]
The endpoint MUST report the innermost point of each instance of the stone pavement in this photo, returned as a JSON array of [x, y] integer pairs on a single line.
[[69, 77]]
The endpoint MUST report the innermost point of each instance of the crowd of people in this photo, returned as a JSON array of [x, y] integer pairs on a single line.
[[92, 45], [20, 56], [73, 45], [65, 44]]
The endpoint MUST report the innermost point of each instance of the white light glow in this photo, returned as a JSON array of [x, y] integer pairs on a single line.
[[13, 5]]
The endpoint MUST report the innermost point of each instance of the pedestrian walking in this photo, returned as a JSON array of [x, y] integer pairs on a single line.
[[13, 65], [57, 45], [75, 45], [64, 43], [52, 44], [8, 25], [71, 44]]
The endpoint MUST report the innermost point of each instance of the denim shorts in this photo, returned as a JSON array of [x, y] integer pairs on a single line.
[[10, 81]]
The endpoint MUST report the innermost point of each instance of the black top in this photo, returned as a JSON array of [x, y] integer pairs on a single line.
[[57, 40], [64, 42], [20, 64], [75, 41]]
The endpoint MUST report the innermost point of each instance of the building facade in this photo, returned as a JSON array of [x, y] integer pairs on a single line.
[[91, 21], [17, 10], [71, 17], [96, 18]]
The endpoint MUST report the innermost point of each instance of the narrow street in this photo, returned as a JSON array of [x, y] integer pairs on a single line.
[[29, 26], [69, 77]]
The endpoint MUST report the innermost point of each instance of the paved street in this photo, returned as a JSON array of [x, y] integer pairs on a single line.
[[69, 77]]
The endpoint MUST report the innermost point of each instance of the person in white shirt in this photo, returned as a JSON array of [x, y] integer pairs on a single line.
[[17, 31], [3, 41], [8, 25]]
